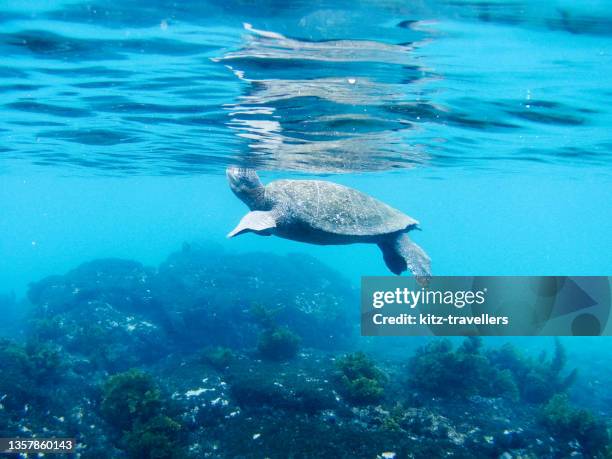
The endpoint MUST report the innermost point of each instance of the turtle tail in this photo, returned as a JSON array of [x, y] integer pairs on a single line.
[[401, 254]]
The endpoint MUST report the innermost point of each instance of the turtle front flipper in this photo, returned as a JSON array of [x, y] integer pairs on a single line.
[[258, 221], [401, 254]]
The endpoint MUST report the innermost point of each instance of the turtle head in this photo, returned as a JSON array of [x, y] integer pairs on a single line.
[[246, 185]]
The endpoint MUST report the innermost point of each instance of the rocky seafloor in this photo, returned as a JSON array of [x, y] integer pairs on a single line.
[[214, 354]]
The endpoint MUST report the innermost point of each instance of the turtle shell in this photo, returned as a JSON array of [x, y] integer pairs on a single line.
[[336, 209]]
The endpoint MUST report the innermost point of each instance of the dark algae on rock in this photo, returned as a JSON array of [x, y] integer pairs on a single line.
[[360, 381], [572, 425], [538, 379], [142, 417], [442, 371], [216, 354], [278, 343], [469, 370]]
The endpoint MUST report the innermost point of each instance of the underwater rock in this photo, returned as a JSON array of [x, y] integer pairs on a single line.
[[210, 296], [114, 314], [243, 355], [102, 336], [302, 385], [123, 283], [12, 314], [38, 391], [230, 403], [102, 313]]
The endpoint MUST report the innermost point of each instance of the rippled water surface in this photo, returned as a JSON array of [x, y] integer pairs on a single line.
[[119, 88]]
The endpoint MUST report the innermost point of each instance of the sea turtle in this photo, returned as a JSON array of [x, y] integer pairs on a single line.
[[321, 212]]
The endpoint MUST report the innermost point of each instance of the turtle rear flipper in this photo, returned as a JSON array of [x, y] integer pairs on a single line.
[[401, 254]]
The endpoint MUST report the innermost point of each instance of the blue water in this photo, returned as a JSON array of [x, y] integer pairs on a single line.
[[485, 121], [489, 122]]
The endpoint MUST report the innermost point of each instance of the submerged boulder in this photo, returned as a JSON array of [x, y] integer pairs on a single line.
[[123, 283], [215, 297], [102, 313], [113, 314]]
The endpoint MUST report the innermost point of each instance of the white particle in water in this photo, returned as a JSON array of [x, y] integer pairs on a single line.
[[196, 392]]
